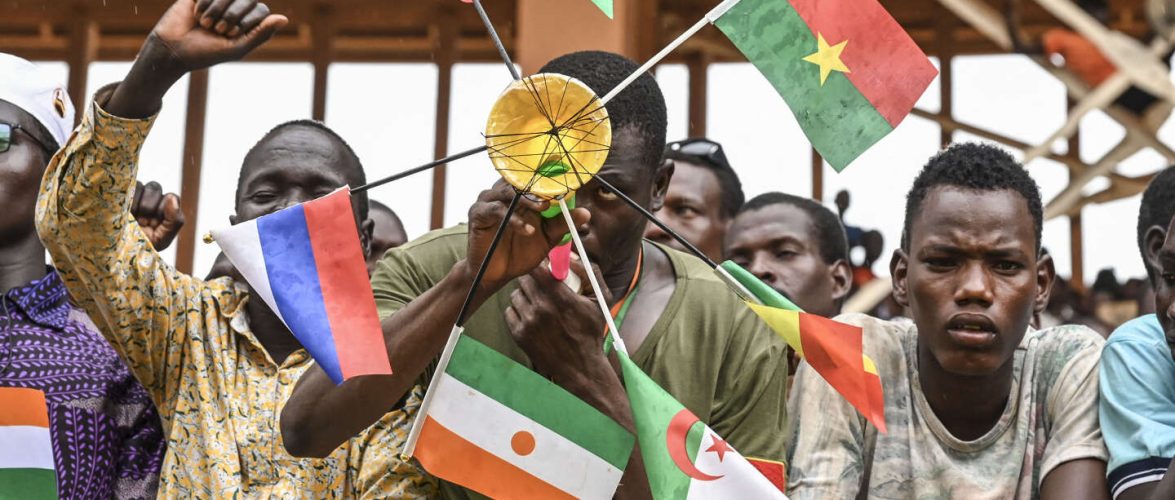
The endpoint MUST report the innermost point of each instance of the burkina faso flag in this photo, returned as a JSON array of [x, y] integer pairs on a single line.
[[847, 70]]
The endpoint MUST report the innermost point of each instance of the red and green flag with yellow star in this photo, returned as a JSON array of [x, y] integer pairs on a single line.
[[847, 70]]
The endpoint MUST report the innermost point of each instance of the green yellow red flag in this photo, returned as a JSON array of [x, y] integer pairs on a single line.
[[832, 348], [847, 70]]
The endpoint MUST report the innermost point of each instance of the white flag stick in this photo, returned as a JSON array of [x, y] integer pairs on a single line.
[[418, 424], [591, 275], [710, 17]]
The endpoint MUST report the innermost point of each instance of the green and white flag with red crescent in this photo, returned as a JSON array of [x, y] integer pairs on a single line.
[[683, 457]]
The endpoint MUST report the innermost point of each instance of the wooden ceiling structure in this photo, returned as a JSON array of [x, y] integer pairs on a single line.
[[447, 32]]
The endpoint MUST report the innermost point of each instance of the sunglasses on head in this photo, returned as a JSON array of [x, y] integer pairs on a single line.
[[8, 130], [708, 150]]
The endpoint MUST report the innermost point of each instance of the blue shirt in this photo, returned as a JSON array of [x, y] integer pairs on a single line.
[[1137, 408]]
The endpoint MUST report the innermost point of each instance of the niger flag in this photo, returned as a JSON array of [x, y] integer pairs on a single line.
[[27, 468], [847, 70], [831, 348], [502, 430]]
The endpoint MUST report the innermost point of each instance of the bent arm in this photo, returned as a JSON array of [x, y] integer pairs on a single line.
[[320, 416], [108, 264], [1076, 479]]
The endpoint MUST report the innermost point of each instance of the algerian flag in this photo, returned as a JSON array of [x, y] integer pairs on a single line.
[[26, 448], [683, 457], [500, 429]]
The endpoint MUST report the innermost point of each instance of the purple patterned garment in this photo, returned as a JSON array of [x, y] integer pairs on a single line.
[[107, 439]]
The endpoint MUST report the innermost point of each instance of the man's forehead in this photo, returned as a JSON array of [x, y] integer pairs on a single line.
[[953, 213], [774, 222], [697, 178]]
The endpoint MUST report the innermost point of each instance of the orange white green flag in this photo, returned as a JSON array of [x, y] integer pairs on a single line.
[[684, 458], [497, 428], [27, 468]]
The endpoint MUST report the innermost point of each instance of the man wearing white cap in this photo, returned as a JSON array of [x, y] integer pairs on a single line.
[[74, 422]]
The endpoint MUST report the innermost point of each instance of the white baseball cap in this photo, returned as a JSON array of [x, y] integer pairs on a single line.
[[30, 88]]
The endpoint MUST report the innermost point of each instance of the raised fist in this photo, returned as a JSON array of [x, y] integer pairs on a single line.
[[158, 214], [199, 34]]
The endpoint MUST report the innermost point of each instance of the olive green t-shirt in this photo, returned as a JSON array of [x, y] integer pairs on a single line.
[[707, 349]]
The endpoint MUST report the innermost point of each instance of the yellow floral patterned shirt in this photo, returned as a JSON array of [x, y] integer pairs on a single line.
[[188, 341]]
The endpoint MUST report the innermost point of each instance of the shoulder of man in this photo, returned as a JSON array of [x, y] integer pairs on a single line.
[[1145, 329], [451, 239], [407, 271], [1062, 342], [1065, 357], [883, 340], [432, 254], [703, 288]]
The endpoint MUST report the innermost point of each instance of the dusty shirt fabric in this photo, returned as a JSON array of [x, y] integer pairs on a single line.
[[107, 440], [707, 349], [1051, 418], [188, 341]]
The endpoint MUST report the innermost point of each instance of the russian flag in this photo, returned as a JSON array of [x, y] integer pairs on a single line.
[[307, 264]]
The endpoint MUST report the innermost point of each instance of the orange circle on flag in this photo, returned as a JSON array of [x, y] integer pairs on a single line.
[[522, 443]]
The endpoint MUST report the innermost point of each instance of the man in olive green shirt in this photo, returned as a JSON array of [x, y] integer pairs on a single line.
[[685, 328]]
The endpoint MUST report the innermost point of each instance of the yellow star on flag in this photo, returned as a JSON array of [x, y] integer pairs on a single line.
[[828, 58]]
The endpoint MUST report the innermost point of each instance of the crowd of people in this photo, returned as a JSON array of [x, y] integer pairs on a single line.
[[159, 383]]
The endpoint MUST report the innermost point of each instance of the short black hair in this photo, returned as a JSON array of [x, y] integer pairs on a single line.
[[355, 174], [975, 166], [834, 244], [1157, 209], [732, 188], [380, 207], [640, 106]]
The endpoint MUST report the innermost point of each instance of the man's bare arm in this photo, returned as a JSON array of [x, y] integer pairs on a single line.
[[1077, 479], [320, 416]]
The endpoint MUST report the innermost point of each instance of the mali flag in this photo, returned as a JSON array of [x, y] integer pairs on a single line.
[[847, 70], [831, 348]]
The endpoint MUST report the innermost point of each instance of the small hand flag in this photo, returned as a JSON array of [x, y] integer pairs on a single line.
[[307, 264], [831, 348]]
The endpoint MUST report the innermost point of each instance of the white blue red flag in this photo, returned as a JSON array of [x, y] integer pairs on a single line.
[[307, 264]]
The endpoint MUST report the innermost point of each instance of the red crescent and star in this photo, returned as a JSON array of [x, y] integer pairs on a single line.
[[675, 439]]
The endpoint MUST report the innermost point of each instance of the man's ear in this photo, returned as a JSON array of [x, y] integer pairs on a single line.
[[1152, 242], [899, 267], [366, 232], [661, 180], [1046, 275], [842, 280]]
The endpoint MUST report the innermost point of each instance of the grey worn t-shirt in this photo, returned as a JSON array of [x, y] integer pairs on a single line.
[[1051, 418]]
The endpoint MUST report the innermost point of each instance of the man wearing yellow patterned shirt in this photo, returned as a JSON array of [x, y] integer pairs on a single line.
[[218, 365]]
